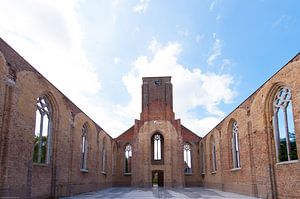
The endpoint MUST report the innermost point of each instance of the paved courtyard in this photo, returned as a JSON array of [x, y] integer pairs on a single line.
[[147, 193]]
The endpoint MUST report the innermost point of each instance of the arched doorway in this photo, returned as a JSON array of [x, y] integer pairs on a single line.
[[157, 178]]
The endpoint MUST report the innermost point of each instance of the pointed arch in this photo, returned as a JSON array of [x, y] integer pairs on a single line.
[[157, 148], [84, 146], [187, 157], [213, 154], [128, 158], [280, 113], [43, 130], [233, 135], [114, 158], [202, 158], [104, 155]]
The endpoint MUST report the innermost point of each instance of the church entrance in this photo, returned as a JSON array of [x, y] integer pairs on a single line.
[[157, 178]]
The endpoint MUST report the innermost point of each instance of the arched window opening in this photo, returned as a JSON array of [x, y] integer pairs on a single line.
[[157, 147], [114, 160], [187, 156], [42, 135], [104, 161], [235, 146], [202, 159], [84, 147], [128, 155], [213, 154], [283, 125]]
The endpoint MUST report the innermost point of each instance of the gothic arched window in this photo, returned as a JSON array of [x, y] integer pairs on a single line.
[[128, 155], [235, 146], [104, 160], [213, 154], [84, 147], [157, 144], [187, 156], [42, 135], [202, 158], [283, 123]]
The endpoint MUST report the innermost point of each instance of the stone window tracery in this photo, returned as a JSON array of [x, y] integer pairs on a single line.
[[128, 156], [84, 147], [42, 135], [157, 147], [235, 146], [187, 156], [283, 125]]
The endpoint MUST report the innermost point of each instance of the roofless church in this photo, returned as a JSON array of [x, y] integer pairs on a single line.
[[158, 143], [50, 148]]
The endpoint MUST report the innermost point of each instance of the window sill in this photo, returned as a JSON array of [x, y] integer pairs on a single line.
[[202, 173], [127, 174], [288, 162], [84, 170], [214, 172], [235, 169], [188, 174], [40, 164], [103, 172]]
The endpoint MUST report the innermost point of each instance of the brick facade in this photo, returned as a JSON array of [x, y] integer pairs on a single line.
[[259, 174], [20, 177]]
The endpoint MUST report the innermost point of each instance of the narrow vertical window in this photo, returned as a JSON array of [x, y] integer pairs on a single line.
[[214, 158], [235, 146], [283, 123], [113, 160], [213, 154], [128, 155], [104, 157], [202, 159], [157, 149], [187, 158], [84, 147], [42, 133]]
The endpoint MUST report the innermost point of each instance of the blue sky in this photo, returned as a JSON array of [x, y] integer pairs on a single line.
[[96, 52]]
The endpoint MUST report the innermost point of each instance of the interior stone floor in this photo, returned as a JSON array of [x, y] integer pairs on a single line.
[[147, 193]]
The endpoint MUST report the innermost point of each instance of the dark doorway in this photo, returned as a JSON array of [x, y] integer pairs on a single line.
[[157, 178]]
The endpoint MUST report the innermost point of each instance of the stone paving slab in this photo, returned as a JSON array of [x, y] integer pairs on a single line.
[[147, 193]]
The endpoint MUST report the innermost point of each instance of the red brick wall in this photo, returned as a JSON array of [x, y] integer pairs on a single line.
[[260, 174], [62, 176]]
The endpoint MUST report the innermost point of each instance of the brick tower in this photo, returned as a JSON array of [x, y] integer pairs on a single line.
[[157, 99]]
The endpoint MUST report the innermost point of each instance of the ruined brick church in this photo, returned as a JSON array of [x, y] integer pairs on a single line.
[[50, 148]]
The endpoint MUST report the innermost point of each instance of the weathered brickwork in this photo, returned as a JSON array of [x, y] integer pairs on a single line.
[[20, 177], [158, 117], [258, 174]]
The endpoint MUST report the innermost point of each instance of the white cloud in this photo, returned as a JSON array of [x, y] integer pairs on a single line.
[[216, 50], [115, 3], [141, 7], [49, 36], [212, 5], [192, 88], [154, 45], [117, 60]]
